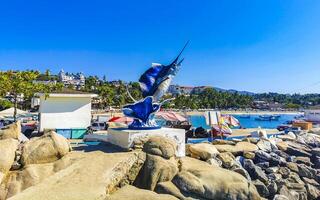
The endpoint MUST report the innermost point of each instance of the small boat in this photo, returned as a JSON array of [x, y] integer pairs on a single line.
[[268, 118]]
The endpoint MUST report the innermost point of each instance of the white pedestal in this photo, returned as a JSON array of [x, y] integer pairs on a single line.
[[125, 137]]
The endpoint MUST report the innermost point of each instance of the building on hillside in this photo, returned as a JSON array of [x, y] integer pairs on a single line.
[[76, 80], [186, 90], [312, 115], [65, 111], [199, 89], [261, 105]]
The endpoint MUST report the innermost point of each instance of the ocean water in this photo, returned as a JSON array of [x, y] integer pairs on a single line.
[[198, 120]]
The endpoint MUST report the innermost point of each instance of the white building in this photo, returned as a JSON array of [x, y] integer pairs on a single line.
[[77, 80], [65, 110], [312, 115]]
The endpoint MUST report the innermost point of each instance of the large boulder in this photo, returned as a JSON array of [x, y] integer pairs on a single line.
[[8, 148], [156, 169], [169, 188], [160, 146], [47, 148], [237, 149], [11, 131], [227, 159], [77, 176], [129, 192], [203, 151], [201, 180]]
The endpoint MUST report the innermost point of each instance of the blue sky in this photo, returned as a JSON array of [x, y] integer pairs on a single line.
[[259, 46]]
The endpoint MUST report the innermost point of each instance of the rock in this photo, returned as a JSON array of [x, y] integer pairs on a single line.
[[263, 165], [280, 197], [246, 147], [272, 158], [243, 172], [275, 176], [129, 192], [313, 192], [237, 149], [305, 171], [205, 181], [310, 139], [227, 159], [262, 189], [160, 146], [215, 142], [272, 170], [303, 160], [251, 140], [273, 188], [169, 188], [248, 155], [215, 162], [282, 146], [11, 131], [310, 181], [255, 171], [204, 151], [77, 176], [298, 149], [288, 137], [315, 151], [156, 169], [293, 167], [284, 171], [7, 155], [265, 145], [47, 148], [290, 194]]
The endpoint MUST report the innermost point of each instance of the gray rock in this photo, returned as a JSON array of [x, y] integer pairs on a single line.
[[284, 171], [305, 171], [313, 192], [272, 170], [262, 189], [273, 189], [315, 151], [215, 162], [255, 172], [290, 194], [310, 181], [303, 160], [280, 197]]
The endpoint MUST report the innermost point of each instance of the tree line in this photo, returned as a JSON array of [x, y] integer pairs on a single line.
[[114, 94]]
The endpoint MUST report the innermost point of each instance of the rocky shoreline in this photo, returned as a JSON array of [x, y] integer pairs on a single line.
[[47, 168]]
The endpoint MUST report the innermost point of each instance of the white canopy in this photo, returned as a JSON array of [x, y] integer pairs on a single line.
[[10, 111]]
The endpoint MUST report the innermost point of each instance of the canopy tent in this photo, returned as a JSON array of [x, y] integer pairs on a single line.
[[171, 116], [10, 111]]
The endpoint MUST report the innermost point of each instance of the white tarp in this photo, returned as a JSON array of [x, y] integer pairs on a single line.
[[212, 117], [10, 111]]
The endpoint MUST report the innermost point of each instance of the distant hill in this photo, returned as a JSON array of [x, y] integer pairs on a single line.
[[234, 91]]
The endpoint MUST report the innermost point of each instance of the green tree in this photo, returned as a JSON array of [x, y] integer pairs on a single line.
[[22, 82]]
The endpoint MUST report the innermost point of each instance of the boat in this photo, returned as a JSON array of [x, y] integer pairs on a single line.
[[267, 118]]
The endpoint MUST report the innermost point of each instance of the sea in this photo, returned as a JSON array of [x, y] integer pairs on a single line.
[[199, 120]]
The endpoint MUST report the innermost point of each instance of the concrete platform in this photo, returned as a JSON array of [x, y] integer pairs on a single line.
[[125, 137]]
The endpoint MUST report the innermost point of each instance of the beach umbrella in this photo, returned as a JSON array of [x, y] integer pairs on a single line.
[[171, 116], [125, 120]]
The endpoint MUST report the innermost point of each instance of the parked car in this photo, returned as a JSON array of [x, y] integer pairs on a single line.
[[99, 126]]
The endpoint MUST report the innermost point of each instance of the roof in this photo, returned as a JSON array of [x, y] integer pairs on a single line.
[[10, 111], [65, 92]]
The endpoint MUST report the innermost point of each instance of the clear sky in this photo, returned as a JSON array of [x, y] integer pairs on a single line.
[[254, 45]]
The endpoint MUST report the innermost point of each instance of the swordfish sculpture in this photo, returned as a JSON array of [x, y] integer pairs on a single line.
[[154, 83]]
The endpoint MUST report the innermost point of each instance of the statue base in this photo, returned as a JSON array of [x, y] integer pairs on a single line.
[[125, 137]]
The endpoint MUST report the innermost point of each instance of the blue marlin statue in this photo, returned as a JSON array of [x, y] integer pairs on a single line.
[[154, 83]]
